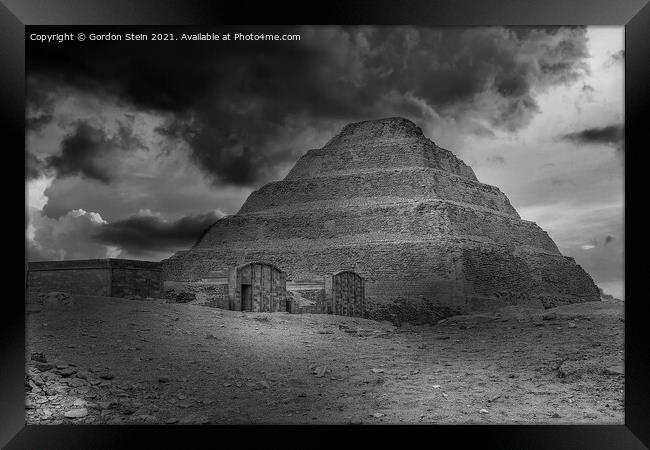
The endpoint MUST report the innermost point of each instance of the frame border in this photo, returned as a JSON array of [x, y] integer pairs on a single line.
[[633, 14]]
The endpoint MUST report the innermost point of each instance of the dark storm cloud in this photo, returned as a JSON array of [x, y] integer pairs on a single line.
[[231, 101], [33, 166], [619, 56], [611, 135], [36, 123], [141, 234], [83, 151]]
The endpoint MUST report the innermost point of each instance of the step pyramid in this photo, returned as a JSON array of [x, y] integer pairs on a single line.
[[411, 218]]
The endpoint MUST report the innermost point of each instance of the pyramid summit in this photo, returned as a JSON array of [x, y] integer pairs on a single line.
[[382, 200]]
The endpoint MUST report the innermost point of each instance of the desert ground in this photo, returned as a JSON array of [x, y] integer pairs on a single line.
[[97, 360]]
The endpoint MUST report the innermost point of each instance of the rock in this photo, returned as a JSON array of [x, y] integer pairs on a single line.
[[319, 371], [483, 411], [38, 357], [76, 413], [378, 415], [105, 374], [171, 421], [556, 416], [436, 386], [67, 372], [147, 418], [442, 338], [163, 379], [79, 402], [43, 367], [549, 316], [572, 325], [76, 382], [494, 398], [107, 405], [614, 370], [377, 370]]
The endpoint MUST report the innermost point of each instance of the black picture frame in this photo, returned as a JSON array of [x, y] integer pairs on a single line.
[[15, 15]]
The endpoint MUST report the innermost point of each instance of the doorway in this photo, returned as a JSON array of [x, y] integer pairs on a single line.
[[246, 297]]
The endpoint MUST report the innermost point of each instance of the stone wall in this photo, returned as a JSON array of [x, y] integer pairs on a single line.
[[408, 184], [100, 277], [81, 280], [437, 276], [407, 220]]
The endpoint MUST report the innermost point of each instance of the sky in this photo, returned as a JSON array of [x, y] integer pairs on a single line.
[[134, 148]]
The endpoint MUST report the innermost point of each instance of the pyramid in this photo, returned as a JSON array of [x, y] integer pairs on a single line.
[[382, 200]]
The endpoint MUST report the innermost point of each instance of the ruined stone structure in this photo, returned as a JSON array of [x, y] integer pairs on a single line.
[[410, 218], [122, 278]]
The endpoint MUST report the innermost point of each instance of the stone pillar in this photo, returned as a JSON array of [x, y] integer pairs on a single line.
[[328, 300], [234, 296]]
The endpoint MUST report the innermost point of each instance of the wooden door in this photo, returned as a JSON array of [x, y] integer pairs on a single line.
[[347, 294]]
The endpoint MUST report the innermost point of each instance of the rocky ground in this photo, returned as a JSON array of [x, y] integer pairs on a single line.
[[106, 360]]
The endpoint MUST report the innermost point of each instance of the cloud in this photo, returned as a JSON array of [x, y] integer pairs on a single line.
[[36, 123], [147, 233], [496, 159], [618, 57], [233, 103], [611, 135], [65, 238], [34, 167], [85, 151]]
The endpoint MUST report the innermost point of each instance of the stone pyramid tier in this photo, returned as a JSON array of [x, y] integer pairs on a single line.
[[384, 201]]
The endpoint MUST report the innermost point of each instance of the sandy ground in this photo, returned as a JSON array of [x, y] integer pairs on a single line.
[[106, 360]]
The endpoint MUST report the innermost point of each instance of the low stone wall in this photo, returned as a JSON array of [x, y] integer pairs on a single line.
[[211, 294], [98, 277], [438, 277], [62, 276]]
